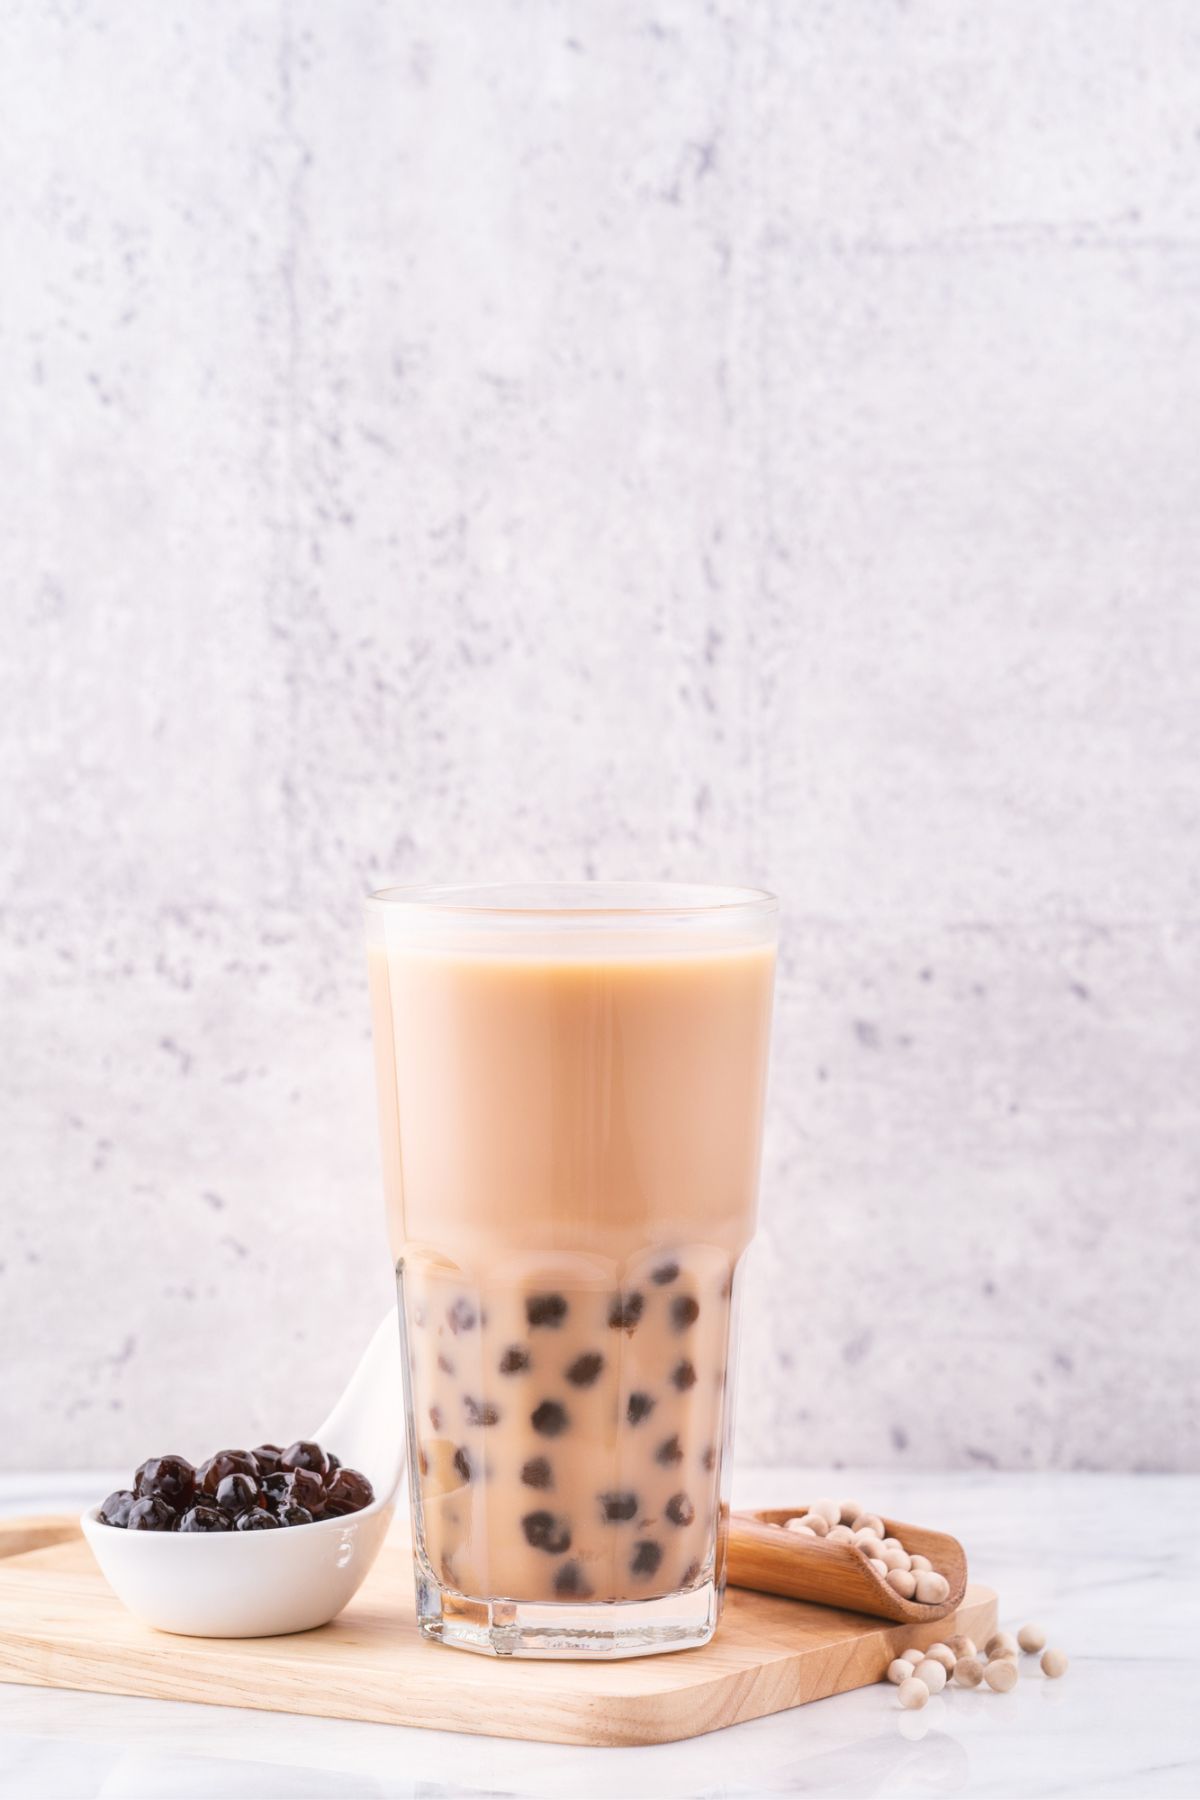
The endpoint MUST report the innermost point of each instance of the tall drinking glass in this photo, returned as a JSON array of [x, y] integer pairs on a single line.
[[571, 1094]]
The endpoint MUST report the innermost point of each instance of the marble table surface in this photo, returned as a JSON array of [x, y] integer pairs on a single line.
[[1109, 1563]]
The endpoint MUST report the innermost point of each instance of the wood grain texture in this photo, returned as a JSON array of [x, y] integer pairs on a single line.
[[765, 1557], [61, 1627]]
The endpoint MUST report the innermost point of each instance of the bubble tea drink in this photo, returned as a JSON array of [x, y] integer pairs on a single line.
[[571, 1091]]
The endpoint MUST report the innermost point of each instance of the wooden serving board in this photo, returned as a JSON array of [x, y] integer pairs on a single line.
[[60, 1626]]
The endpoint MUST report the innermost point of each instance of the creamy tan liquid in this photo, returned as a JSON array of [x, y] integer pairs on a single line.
[[571, 1153]]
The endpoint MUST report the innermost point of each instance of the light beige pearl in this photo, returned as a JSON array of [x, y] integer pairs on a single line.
[[944, 1654], [830, 1511], [913, 1655], [840, 1534], [904, 1582], [868, 1543], [932, 1589], [1031, 1638], [817, 1523], [848, 1511], [961, 1646], [1054, 1664], [1001, 1643], [891, 1543], [968, 1671], [920, 1562], [868, 1522], [913, 1693], [899, 1670], [801, 1527], [932, 1674], [877, 1563], [1001, 1674], [895, 1559]]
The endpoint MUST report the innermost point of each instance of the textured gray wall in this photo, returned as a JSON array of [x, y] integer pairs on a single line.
[[756, 441]]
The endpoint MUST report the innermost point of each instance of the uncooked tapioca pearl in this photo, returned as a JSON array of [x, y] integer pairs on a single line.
[[1001, 1643], [868, 1522], [839, 1534], [913, 1693], [931, 1589], [895, 1559], [919, 1562], [913, 1655], [961, 1646], [829, 1510], [1031, 1638], [1054, 1664], [1001, 1674], [817, 1522], [932, 1674], [944, 1654], [968, 1671], [879, 1566], [868, 1543], [903, 1582], [899, 1671], [800, 1528], [893, 1543], [849, 1511]]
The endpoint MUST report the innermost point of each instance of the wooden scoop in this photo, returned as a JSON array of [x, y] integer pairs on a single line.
[[764, 1555]]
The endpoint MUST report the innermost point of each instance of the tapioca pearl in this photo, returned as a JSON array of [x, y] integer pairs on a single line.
[[461, 1316], [462, 1463], [669, 1452], [585, 1369], [546, 1531], [680, 1510], [545, 1310], [537, 1473], [480, 1412], [646, 1557], [708, 1461], [685, 1310], [683, 1375], [617, 1507], [435, 1416], [570, 1583], [690, 1575], [445, 1365], [549, 1419], [665, 1274], [624, 1311], [422, 1461], [515, 1360], [640, 1407]]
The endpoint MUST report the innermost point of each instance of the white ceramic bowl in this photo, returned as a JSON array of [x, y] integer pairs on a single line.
[[263, 1583]]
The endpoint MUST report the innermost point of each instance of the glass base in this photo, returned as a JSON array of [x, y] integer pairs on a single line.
[[575, 1631]]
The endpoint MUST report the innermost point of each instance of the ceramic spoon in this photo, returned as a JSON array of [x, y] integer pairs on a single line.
[[262, 1583]]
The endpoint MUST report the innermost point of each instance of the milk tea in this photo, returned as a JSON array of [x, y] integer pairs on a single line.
[[571, 1149]]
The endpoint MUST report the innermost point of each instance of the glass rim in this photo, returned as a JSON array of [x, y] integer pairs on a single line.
[[625, 902]]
